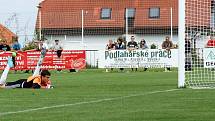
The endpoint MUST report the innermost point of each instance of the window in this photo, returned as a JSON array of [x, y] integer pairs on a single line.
[[131, 12], [106, 13], [131, 16], [154, 12]]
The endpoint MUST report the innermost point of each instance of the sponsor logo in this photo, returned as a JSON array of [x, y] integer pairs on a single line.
[[211, 56]]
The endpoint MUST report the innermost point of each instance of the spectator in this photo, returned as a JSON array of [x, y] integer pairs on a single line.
[[5, 46], [132, 45], [120, 44], [1, 43], [143, 46], [188, 54], [16, 46], [58, 47], [167, 44], [211, 42], [110, 45]]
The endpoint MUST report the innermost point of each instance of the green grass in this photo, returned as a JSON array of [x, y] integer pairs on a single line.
[[94, 95]]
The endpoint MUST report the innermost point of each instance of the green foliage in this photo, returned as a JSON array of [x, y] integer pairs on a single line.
[[153, 46], [29, 46]]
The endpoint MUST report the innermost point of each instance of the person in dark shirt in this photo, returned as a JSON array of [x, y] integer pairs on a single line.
[[1, 43], [143, 46], [188, 55], [167, 44], [16, 46], [132, 45], [5, 47], [120, 45]]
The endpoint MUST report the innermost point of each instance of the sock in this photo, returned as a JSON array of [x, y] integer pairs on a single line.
[[39, 63], [4, 74], [37, 70]]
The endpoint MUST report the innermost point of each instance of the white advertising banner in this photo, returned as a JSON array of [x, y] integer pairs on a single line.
[[209, 57], [150, 58]]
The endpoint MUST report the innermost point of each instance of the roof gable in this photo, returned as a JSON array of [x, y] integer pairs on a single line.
[[6, 34]]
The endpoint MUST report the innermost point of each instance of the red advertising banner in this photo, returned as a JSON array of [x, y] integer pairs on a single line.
[[70, 59]]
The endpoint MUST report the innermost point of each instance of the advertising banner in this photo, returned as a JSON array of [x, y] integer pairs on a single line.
[[150, 58], [27, 60], [209, 57]]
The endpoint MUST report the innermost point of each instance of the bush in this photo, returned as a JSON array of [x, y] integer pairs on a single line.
[[30, 46], [153, 46]]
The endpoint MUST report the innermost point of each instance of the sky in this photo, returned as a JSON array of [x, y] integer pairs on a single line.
[[20, 17]]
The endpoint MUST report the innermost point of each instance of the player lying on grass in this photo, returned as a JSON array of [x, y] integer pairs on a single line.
[[35, 81]]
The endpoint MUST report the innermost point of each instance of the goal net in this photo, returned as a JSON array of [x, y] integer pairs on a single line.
[[199, 43], [91, 24]]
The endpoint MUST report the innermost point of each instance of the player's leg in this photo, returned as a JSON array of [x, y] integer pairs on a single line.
[[39, 63], [16, 84], [37, 70], [6, 70]]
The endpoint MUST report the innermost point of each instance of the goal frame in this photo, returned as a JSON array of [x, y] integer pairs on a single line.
[[181, 37]]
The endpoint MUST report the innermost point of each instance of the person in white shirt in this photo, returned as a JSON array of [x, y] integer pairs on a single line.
[[58, 47]]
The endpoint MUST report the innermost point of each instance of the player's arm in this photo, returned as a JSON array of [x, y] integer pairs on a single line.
[[36, 86], [36, 83]]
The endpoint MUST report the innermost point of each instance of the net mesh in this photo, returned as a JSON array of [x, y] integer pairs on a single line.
[[104, 20], [62, 19], [199, 30]]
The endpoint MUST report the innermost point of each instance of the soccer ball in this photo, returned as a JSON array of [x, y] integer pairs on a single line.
[[13, 54]]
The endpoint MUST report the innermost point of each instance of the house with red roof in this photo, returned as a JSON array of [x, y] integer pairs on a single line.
[[6, 35], [106, 19]]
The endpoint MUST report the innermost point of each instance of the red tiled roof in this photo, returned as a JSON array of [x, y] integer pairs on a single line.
[[6, 34], [67, 13]]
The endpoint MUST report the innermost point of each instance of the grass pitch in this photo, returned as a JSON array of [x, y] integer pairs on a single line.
[[94, 95]]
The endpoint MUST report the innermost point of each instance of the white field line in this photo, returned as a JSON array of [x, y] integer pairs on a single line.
[[86, 102]]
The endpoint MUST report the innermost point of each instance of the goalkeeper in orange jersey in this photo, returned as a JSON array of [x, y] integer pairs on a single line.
[[36, 82], [40, 81]]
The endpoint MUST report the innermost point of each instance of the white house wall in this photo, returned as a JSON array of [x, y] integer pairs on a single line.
[[99, 42]]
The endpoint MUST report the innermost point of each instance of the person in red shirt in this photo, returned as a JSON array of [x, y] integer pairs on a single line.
[[211, 42]]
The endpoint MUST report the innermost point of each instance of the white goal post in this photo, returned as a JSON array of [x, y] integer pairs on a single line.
[[181, 49]]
